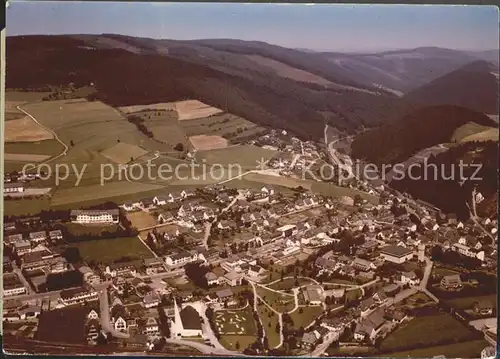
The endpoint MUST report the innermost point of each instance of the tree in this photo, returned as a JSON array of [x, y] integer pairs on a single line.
[[71, 143], [278, 328], [237, 345], [179, 147], [101, 339], [301, 310]]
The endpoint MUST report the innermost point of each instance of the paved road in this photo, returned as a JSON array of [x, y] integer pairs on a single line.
[[104, 316]]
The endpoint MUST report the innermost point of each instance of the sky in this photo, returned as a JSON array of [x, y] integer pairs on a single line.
[[321, 27]]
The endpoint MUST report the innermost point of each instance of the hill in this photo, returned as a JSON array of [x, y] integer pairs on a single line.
[[133, 71], [396, 141], [402, 71], [474, 86], [446, 190]]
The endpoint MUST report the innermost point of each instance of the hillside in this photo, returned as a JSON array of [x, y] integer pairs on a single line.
[[403, 70], [474, 86], [446, 190], [131, 71], [396, 141]]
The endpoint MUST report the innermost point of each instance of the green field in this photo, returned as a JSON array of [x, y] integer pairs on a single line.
[[280, 302], [468, 302], [425, 331], [45, 147], [246, 156], [25, 206], [80, 229], [329, 189], [470, 128], [269, 320], [226, 125], [231, 342], [308, 315], [24, 96], [289, 283], [469, 349], [235, 322], [108, 250], [165, 127]]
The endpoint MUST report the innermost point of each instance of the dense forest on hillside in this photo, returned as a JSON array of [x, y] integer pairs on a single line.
[[474, 86], [123, 77], [446, 190], [397, 141]]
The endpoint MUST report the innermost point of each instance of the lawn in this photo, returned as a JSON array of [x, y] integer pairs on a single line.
[[279, 301], [141, 219], [308, 315], [425, 331], [269, 320], [235, 322], [108, 250], [289, 283], [246, 156], [441, 272], [468, 302], [25, 206], [469, 349], [80, 229], [233, 342], [165, 127]]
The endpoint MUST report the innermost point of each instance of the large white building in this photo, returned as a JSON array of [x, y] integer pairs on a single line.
[[186, 323], [78, 295], [95, 216], [13, 188], [12, 285]]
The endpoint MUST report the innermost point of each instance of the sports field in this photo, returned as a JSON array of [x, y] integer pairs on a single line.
[[108, 250]]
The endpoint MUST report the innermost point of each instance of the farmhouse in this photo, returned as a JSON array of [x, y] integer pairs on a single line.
[[13, 238], [55, 234], [121, 269], [396, 254], [483, 307], [38, 237], [233, 278], [212, 278], [409, 278], [22, 247], [370, 327], [89, 276], [15, 187], [362, 264], [95, 216], [153, 265]]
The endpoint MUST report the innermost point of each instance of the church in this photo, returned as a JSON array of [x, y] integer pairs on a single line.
[[187, 322]]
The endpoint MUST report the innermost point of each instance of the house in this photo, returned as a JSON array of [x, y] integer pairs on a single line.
[[370, 327], [151, 327], [212, 278], [120, 324], [12, 285], [488, 353], [128, 206], [78, 295], [151, 300], [121, 269], [450, 282], [92, 315], [483, 307], [467, 251], [55, 235], [409, 278], [366, 305], [154, 266], [160, 200], [396, 254], [233, 278], [226, 296], [22, 247], [92, 329], [165, 216], [89, 276], [11, 226], [308, 340], [13, 238], [313, 294], [395, 315], [38, 237], [362, 264], [14, 187], [95, 216], [146, 203], [288, 230], [180, 259], [256, 272], [380, 297]]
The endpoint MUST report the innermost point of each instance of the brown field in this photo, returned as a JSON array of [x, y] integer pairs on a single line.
[[287, 71], [193, 109], [25, 130], [123, 152], [204, 142], [467, 130], [141, 219], [154, 106], [23, 157], [490, 134]]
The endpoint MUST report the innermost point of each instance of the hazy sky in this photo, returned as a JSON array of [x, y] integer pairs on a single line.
[[319, 27]]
